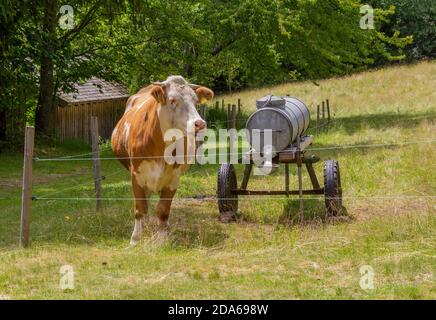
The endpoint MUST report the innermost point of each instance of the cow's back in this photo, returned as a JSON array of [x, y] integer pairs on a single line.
[[137, 135]]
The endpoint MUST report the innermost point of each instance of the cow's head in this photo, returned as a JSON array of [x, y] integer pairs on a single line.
[[178, 99]]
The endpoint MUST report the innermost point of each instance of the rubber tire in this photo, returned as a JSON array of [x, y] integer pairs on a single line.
[[332, 188], [227, 202]]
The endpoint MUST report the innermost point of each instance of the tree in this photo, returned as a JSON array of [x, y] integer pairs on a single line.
[[226, 44], [415, 18]]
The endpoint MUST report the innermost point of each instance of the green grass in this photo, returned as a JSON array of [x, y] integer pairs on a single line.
[[262, 256]]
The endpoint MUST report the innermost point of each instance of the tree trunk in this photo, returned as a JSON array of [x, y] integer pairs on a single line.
[[46, 80]]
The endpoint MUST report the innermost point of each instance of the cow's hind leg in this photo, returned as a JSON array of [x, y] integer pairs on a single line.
[[141, 210]]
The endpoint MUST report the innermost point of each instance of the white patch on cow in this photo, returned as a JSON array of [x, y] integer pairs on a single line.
[[149, 174], [137, 232], [179, 111], [154, 175], [139, 106], [126, 132], [130, 103]]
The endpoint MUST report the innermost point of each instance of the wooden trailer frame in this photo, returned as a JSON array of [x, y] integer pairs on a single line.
[[228, 191]]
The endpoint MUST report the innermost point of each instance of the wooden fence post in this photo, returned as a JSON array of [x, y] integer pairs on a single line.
[[217, 106], [96, 161], [328, 111], [323, 113], [317, 118], [222, 105], [229, 116], [27, 186], [203, 109], [239, 105], [233, 117]]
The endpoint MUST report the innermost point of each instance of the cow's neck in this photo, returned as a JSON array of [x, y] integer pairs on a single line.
[[165, 119]]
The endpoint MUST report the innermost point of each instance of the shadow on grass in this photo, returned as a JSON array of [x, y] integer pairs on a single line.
[[314, 213], [356, 123], [353, 124], [191, 226], [196, 226]]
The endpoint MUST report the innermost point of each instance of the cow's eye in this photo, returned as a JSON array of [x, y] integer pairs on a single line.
[[173, 101]]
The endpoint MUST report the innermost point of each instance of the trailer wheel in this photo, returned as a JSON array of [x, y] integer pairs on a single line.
[[332, 188], [227, 201]]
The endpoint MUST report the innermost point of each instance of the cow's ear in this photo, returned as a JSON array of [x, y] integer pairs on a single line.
[[158, 92], [204, 94]]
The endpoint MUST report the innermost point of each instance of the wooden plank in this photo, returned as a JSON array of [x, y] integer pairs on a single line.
[[277, 192], [27, 186], [96, 161]]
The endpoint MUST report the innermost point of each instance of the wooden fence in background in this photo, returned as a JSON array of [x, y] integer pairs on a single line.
[[72, 121]]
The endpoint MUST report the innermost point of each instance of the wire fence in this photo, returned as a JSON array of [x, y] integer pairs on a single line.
[[335, 147], [82, 157], [246, 197]]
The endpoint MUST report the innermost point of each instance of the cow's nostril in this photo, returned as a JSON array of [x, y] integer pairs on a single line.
[[200, 124]]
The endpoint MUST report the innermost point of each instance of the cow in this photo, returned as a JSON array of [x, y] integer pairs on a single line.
[[138, 143]]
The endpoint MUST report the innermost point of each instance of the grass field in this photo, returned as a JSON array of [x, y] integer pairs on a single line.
[[389, 197]]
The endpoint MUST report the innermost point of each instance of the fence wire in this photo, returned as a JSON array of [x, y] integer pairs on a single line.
[[337, 147], [80, 157], [245, 197]]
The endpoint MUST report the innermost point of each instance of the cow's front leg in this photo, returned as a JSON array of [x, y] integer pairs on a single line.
[[141, 209], [164, 206]]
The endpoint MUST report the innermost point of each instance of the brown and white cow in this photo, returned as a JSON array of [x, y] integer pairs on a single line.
[[138, 142]]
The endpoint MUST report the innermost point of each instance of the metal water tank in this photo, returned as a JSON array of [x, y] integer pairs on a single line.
[[287, 118]]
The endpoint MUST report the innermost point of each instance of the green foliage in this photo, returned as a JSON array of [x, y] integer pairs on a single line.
[[227, 44], [415, 18]]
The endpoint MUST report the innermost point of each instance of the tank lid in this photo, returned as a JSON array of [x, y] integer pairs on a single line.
[[270, 101]]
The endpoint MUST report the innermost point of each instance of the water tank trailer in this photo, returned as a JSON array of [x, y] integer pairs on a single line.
[[287, 120]]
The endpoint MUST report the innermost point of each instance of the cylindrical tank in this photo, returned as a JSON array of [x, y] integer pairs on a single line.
[[287, 118]]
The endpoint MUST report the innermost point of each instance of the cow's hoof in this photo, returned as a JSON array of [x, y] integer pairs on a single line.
[[133, 243], [227, 217], [145, 221], [161, 238]]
